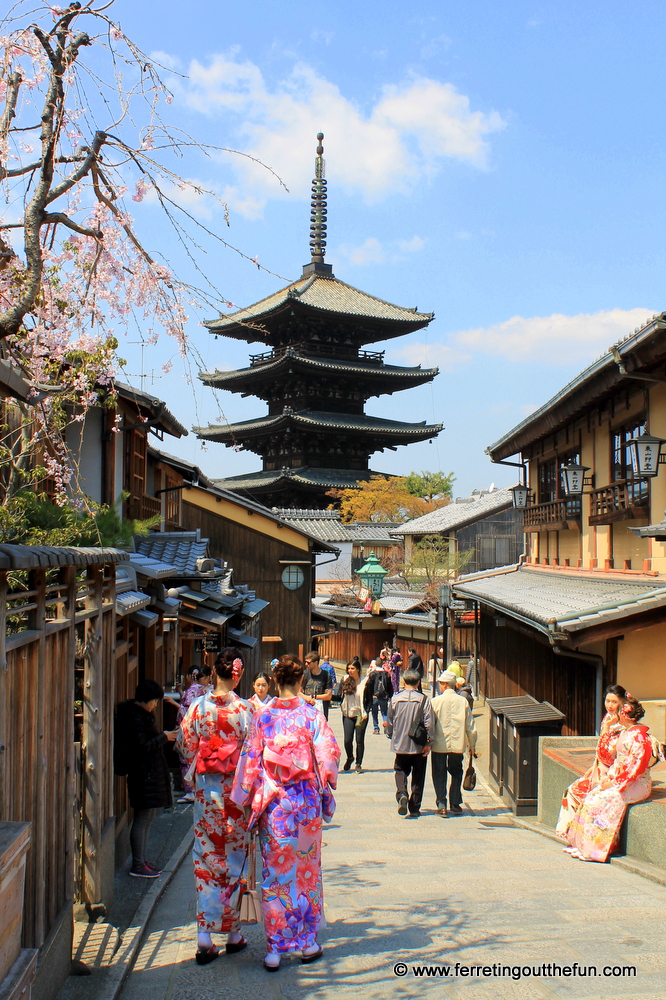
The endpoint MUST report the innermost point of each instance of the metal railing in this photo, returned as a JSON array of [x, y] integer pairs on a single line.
[[618, 500], [553, 513]]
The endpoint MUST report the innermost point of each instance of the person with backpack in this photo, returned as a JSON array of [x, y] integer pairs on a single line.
[[411, 728], [139, 754], [211, 737], [378, 690]]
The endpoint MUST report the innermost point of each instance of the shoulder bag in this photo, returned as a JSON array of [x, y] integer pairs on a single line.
[[469, 781], [418, 732]]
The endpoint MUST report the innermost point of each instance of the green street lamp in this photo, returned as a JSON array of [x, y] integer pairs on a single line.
[[372, 575]]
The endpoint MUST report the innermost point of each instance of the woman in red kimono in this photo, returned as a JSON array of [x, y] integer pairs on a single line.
[[211, 736], [287, 768], [611, 727], [595, 830]]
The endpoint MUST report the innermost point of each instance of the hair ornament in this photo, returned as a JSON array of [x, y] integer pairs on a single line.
[[626, 709], [628, 694], [236, 670]]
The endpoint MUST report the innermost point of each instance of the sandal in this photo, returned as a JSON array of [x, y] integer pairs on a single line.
[[306, 959], [271, 968], [209, 955], [233, 946]]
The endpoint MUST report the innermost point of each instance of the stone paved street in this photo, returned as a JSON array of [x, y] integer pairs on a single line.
[[432, 890]]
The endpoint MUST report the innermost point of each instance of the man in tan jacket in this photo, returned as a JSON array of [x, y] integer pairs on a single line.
[[454, 725]]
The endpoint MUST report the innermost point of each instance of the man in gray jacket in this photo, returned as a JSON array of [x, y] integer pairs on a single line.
[[410, 758], [454, 725]]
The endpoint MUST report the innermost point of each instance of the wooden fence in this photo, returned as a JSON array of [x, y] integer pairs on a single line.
[[57, 622]]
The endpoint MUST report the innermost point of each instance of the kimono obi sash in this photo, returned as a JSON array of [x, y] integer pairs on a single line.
[[288, 757], [607, 746], [217, 756]]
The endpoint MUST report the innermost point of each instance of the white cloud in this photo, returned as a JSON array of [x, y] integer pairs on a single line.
[[405, 136], [565, 339], [371, 251], [556, 339]]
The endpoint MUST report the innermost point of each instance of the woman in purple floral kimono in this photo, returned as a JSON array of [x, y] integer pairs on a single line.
[[287, 768]]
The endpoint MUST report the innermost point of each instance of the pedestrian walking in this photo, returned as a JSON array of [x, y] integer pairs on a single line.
[[414, 662], [395, 666], [406, 710], [260, 686], [197, 683], [286, 773], [317, 684], [139, 754], [465, 691], [379, 689], [594, 832], [454, 726], [354, 706], [211, 736]]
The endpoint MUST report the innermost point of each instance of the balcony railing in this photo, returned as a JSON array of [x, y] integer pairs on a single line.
[[326, 351], [552, 516], [141, 508], [621, 501]]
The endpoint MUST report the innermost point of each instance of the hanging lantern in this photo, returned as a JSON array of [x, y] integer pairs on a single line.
[[372, 575], [573, 477], [645, 454], [521, 495]]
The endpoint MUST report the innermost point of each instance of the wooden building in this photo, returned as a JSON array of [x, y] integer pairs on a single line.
[[586, 606], [315, 381]]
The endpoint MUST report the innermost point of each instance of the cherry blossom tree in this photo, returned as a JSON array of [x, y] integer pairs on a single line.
[[81, 133]]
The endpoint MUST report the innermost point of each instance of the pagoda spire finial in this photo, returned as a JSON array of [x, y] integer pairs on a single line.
[[318, 207]]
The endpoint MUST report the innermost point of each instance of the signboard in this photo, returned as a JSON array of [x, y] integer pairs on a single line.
[[212, 642], [458, 606], [363, 594], [445, 595]]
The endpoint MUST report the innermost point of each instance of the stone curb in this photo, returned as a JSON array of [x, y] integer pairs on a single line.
[[131, 940]]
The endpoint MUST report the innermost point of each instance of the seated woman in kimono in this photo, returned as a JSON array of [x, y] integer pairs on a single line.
[[287, 768], [595, 829], [611, 727], [211, 736]]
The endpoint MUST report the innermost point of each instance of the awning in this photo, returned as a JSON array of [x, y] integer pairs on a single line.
[[562, 604], [242, 638], [145, 618], [203, 616], [252, 608], [131, 600]]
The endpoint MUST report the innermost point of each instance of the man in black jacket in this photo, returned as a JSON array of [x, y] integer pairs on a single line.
[[139, 753], [414, 662]]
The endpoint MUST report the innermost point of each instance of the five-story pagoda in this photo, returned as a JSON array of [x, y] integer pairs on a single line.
[[315, 380]]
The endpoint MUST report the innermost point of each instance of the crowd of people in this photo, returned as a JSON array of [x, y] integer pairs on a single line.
[[261, 774]]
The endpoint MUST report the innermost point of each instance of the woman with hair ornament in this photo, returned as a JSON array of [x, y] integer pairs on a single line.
[[594, 832], [286, 773], [211, 737]]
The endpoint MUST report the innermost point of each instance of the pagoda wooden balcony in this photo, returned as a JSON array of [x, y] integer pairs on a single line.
[[327, 351], [624, 500], [142, 508], [557, 515]]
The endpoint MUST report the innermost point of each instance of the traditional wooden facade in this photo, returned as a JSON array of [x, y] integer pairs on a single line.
[[315, 380], [57, 697], [587, 605]]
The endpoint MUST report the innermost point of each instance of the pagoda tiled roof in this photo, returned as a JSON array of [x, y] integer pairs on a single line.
[[323, 294], [321, 421], [257, 373], [304, 476]]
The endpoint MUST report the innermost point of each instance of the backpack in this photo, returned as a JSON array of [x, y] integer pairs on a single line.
[[383, 686]]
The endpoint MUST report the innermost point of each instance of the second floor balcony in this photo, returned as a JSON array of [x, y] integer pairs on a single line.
[[623, 500], [141, 508], [555, 515]]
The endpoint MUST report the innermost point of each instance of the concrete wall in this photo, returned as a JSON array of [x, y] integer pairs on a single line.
[[640, 662]]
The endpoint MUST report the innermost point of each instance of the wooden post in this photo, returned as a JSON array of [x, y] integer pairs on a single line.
[[4, 692], [36, 617], [93, 716], [68, 578]]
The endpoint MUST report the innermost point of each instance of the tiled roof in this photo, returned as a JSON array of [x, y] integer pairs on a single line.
[[401, 602], [154, 569], [326, 524], [178, 548], [165, 420], [131, 600], [331, 478], [292, 358], [562, 602], [372, 531], [322, 421], [424, 620], [454, 515], [322, 294]]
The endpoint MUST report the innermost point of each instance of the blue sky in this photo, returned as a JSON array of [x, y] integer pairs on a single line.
[[499, 164]]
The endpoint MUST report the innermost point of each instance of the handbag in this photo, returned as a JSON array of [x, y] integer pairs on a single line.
[[418, 732], [250, 911], [337, 695], [469, 781]]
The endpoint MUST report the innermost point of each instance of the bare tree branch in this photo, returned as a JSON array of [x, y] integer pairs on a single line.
[[13, 87]]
